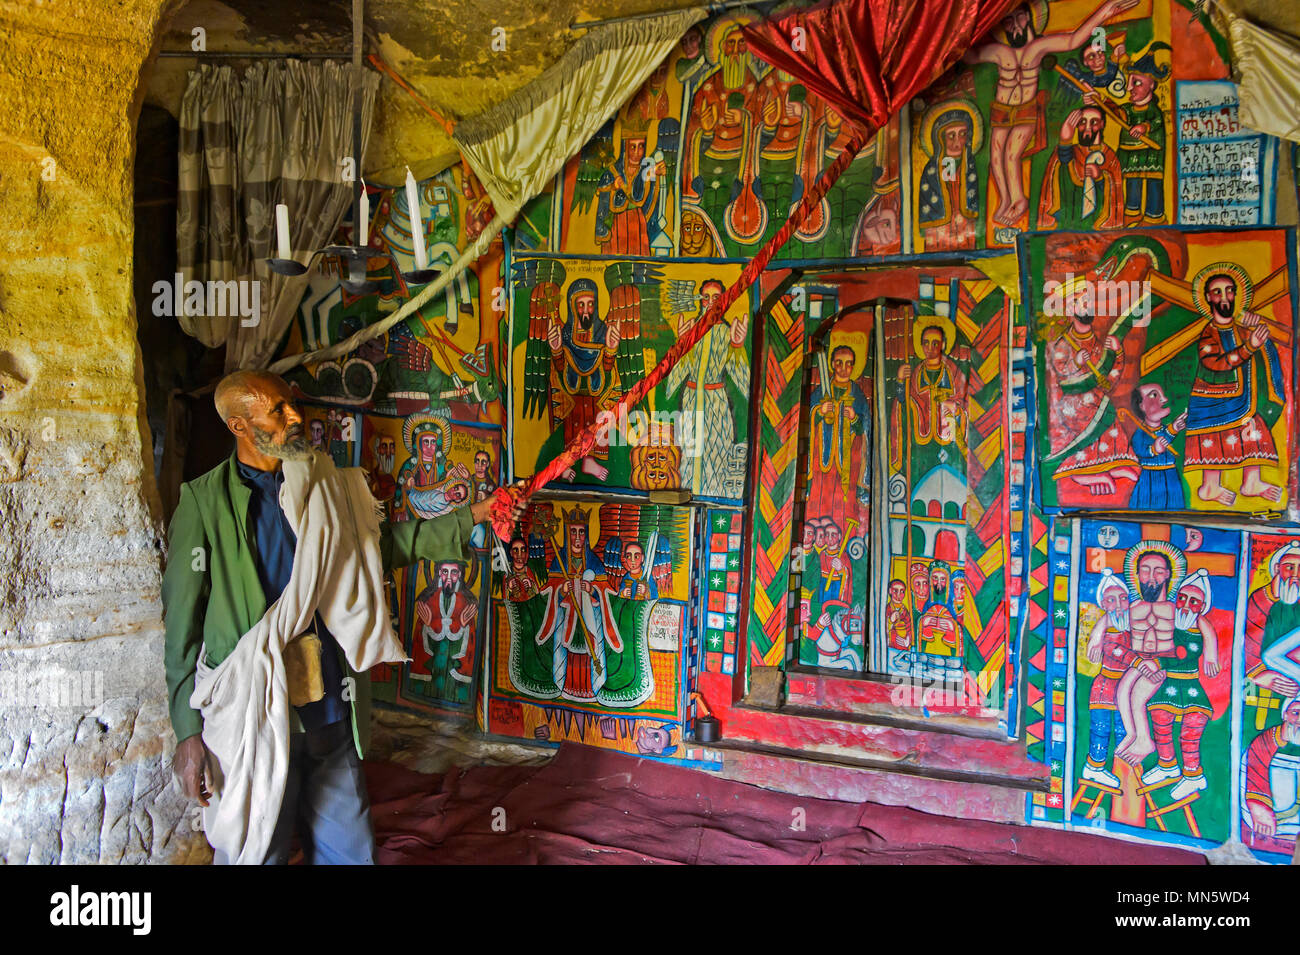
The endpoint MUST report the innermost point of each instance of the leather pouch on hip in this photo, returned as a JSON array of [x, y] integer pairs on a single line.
[[302, 669]]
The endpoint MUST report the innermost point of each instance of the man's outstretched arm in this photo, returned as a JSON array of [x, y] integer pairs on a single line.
[[434, 539]]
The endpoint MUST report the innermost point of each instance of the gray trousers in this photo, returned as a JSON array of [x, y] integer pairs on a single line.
[[325, 801]]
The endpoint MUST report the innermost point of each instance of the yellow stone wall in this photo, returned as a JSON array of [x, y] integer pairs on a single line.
[[85, 744]]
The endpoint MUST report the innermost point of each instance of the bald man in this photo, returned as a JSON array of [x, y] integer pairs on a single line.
[[230, 557]]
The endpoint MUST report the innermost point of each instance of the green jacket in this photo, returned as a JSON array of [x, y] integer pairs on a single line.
[[212, 595]]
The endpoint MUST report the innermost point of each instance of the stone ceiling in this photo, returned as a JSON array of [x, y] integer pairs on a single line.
[[443, 49]]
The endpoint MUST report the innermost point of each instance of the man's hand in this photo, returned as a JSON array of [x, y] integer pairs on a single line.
[[192, 764], [482, 510], [1070, 124], [1276, 682]]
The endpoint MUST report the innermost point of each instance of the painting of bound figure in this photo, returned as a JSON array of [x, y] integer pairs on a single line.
[[1269, 778], [1154, 614], [1164, 368]]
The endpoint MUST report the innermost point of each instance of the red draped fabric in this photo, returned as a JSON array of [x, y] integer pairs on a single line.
[[869, 57], [866, 58]]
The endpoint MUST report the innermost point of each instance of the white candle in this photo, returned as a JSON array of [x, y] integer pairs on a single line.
[[417, 223], [282, 230], [363, 225]]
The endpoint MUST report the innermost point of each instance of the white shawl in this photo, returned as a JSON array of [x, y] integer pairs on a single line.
[[338, 571]]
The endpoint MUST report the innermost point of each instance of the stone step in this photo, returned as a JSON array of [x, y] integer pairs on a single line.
[[986, 796], [896, 740]]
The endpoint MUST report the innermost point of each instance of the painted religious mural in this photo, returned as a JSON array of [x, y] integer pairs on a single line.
[[945, 614], [586, 330], [1062, 121], [1165, 369], [1154, 614], [707, 159], [589, 627], [1009, 475], [833, 579], [1268, 783], [1181, 715], [418, 408]]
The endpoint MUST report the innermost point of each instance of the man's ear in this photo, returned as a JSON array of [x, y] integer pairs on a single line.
[[238, 426]]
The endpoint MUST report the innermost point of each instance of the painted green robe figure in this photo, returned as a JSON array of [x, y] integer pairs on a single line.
[[1142, 142]]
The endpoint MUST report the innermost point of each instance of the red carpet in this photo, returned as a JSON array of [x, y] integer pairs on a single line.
[[592, 805]]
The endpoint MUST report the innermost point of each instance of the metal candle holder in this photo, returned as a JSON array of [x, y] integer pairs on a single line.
[[356, 257]]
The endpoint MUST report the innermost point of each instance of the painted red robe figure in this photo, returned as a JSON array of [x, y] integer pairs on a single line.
[[1082, 186], [1238, 392], [723, 133], [440, 648], [627, 196], [841, 420], [1272, 778], [1088, 445], [936, 396], [1110, 645]]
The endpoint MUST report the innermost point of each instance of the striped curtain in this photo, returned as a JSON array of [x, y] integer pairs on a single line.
[[280, 133]]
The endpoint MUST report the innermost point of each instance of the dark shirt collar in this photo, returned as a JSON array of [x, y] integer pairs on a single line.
[[249, 474]]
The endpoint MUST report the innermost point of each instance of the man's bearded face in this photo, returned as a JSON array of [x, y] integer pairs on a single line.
[[1188, 606], [1288, 580], [449, 578], [386, 454], [634, 559], [939, 584], [1153, 573], [1090, 126], [735, 60], [585, 305], [1221, 296], [1019, 27], [1115, 603], [518, 555], [290, 445], [1292, 717]]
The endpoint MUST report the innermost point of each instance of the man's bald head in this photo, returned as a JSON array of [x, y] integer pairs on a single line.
[[259, 409], [237, 390]]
